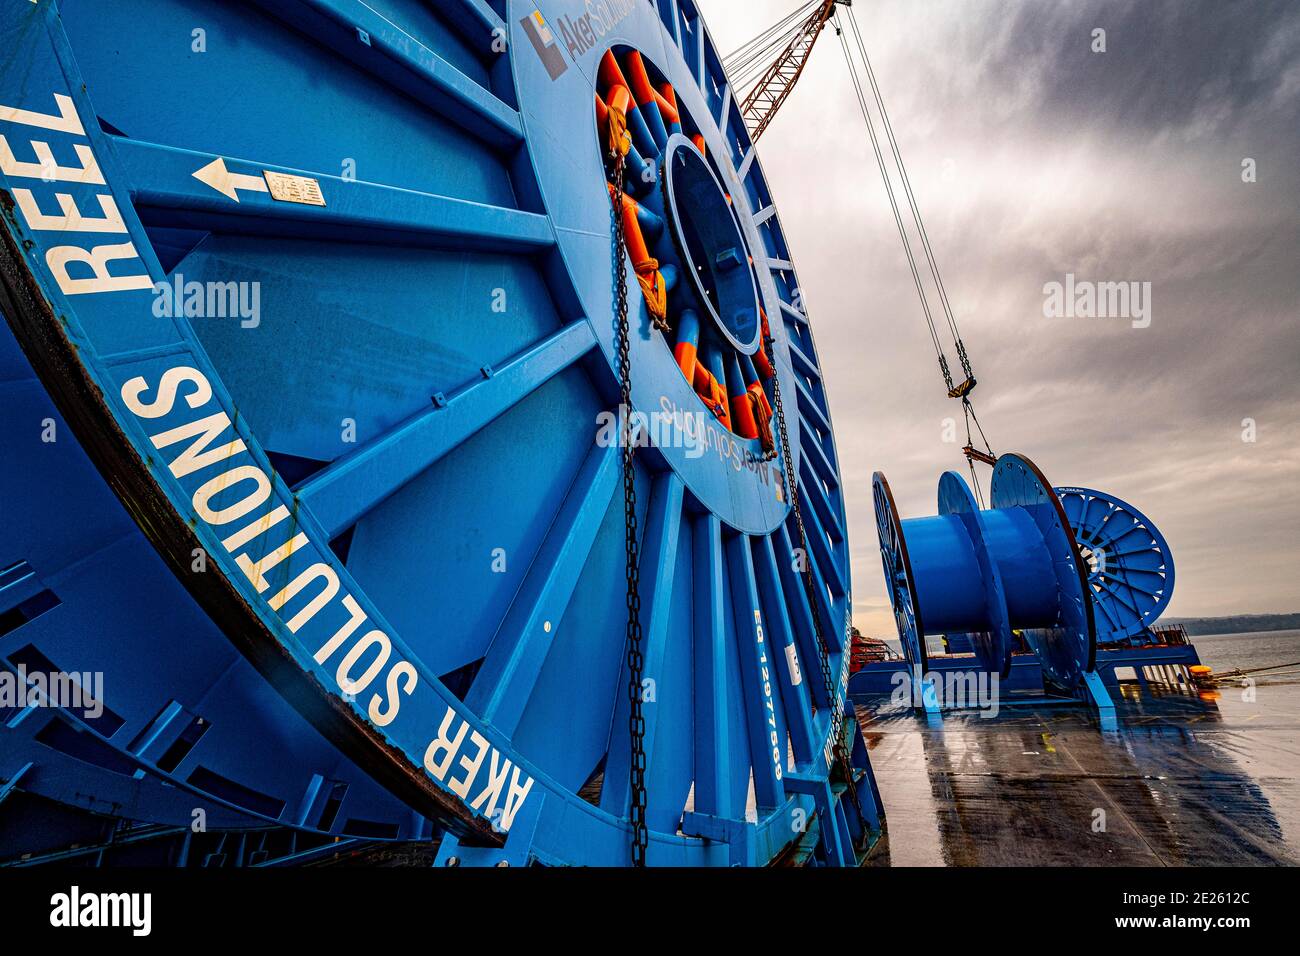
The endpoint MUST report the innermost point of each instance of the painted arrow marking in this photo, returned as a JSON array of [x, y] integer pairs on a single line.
[[227, 183]]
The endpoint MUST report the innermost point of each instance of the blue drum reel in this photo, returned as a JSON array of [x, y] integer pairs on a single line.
[[319, 305], [987, 573]]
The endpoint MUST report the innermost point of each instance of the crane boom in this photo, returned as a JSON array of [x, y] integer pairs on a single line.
[[778, 81]]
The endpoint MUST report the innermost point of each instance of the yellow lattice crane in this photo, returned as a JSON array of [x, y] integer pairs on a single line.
[[774, 78]]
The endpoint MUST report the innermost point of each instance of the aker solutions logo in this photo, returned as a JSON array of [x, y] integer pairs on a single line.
[[545, 45]]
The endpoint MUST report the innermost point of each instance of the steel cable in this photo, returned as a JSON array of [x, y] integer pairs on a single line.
[[911, 198], [893, 205]]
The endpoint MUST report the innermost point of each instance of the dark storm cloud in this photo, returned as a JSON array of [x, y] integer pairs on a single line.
[[1033, 157], [1167, 62]]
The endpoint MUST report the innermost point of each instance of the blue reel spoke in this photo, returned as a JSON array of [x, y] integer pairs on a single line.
[[188, 190], [396, 57], [801, 320], [799, 610], [713, 739], [799, 703], [811, 487], [820, 461], [812, 411], [519, 652], [764, 711], [660, 568], [821, 549], [340, 495]]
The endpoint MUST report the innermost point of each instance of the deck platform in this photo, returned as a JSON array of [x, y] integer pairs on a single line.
[[1188, 779]]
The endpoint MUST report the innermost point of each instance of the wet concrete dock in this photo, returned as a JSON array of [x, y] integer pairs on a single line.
[[1188, 780]]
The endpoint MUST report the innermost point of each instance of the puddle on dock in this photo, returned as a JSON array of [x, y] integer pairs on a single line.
[[1189, 779]]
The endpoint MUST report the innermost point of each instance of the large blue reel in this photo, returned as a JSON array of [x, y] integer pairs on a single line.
[[986, 573], [410, 530]]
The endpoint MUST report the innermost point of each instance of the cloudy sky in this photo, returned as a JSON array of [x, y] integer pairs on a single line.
[[1033, 157]]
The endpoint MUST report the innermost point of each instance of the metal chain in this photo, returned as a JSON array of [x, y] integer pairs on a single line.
[[965, 359], [947, 372], [635, 659], [810, 590]]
